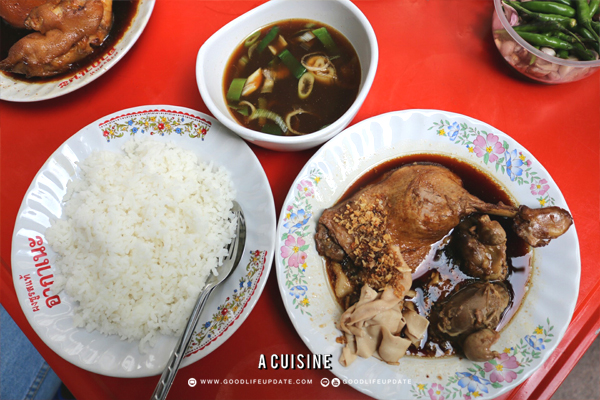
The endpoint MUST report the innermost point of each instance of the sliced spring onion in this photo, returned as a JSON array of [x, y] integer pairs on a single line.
[[278, 45], [269, 82], [240, 109], [272, 129], [272, 34], [235, 89], [325, 38], [307, 36], [243, 110], [260, 113], [251, 50], [242, 62], [253, 82], [305, 85], [288, 120], [262, 104], [252, 39], [293, 65], [249, 105]]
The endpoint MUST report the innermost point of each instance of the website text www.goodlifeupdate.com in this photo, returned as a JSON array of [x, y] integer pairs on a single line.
[[271, 381]]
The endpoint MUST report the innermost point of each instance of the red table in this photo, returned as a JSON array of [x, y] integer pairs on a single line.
[[434, 54]]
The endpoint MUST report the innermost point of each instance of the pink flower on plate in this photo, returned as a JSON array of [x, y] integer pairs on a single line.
[[488, 147], [539, 188], [435, 393], [502, 366], [294, 249], [305, 186]]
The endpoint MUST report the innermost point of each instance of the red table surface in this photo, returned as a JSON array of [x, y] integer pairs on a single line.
[[433, 54]]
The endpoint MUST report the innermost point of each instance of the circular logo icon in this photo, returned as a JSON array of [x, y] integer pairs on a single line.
[[335, 382], [324, 382], [192, 382]]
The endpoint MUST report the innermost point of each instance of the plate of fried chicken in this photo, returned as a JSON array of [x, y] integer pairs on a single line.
[[430, 254], [54, 47]]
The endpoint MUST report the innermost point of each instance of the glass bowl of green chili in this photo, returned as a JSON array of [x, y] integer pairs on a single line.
[[549, 41]]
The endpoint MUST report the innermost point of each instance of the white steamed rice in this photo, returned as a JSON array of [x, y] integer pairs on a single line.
[[139, 235]]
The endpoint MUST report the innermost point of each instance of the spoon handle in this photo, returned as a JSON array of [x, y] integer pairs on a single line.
[[168, 376]]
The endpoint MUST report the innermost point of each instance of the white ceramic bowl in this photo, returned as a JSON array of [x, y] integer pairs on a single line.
[[214, 54]]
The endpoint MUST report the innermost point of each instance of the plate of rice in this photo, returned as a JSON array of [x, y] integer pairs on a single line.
[[122, 225]]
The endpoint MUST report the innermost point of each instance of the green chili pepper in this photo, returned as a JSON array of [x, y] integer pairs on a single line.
[[565, 37], [583, 16], [535, 28], [594, 7], [566, 22], [565, 2], [596, 26], [585, 33], [562, 54], [549, 7], [578, 48], [584, 54], [546, 41]]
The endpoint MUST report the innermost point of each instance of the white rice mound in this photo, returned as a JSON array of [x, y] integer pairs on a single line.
[[139, 235]]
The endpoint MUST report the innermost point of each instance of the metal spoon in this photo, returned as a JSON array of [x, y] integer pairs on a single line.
[[236, 249]]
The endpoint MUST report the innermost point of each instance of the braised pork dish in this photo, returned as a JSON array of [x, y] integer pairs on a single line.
[[423, 266], [46, 38]]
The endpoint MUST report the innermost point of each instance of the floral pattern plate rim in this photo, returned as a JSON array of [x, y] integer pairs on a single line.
[[50, 314], [22, 91], [529, 338]]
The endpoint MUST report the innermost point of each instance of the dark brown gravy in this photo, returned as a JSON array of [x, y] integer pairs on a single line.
[[441, 257], [123, 13]]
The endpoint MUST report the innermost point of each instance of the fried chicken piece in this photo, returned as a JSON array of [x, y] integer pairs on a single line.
[[15, 12], [67, 30]]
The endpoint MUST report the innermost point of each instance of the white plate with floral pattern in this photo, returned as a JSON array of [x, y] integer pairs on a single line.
[[23, 91], [50, 314], [529, 338]]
